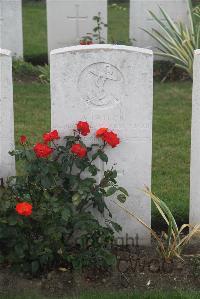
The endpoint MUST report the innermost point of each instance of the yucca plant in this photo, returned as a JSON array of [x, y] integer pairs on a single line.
[[170, 244], [177, 41]]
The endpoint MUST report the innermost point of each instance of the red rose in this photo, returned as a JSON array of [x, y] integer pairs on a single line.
[[79, 150], [47, 137], [83, 128], [42, 150], [111, 138], [85, 43], [100, 132], [24, 208], [108, 136], [23, 139]]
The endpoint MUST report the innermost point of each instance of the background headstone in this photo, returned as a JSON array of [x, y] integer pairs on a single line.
[[11, 36], [69, 20], [140, 18], [7, 163], [111, 86], [195, 145]]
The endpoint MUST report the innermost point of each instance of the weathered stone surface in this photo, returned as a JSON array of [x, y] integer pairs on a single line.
[[111, 86], [195, 145], [7, 163], [11, 36]]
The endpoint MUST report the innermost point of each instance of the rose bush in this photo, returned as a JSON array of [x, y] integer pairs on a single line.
[[45, 215]]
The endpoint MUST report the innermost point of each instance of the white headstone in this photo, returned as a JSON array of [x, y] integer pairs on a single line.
[[111, 86], [7, 163], [11, 36], [195, 145], [140, 18], [69, 20]]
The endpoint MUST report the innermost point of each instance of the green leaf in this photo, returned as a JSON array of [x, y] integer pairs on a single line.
[[123, 190], [30, 154], [111, 191], [19, 250], [82, 164], [35, 266], [88, 182], [95, 155], [109, 258], [13, 153], [93, 170], [116, 226], [103, 156], [65, 215], [76, 199], [12, 220], [44, 259], [121, 198], [47, 181], [114, 174]]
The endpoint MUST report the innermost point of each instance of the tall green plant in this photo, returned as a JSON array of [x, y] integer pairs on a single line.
[[177, 41], [170, 244]]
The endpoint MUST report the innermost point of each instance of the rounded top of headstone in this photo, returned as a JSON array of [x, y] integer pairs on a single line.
[[4, 52], [107, 47]]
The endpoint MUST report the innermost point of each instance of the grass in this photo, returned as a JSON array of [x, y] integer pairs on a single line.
[[118, 34], [32, 110], [171, 146], [35, 29], [171, 136], [147, 295]]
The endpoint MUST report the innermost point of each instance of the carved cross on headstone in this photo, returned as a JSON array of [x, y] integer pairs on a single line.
[[77, 18]]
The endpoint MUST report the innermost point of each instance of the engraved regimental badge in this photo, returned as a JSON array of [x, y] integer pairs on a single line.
[[101, 85]]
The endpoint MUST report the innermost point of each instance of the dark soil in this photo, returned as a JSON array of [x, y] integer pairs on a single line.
[[137, 269]]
